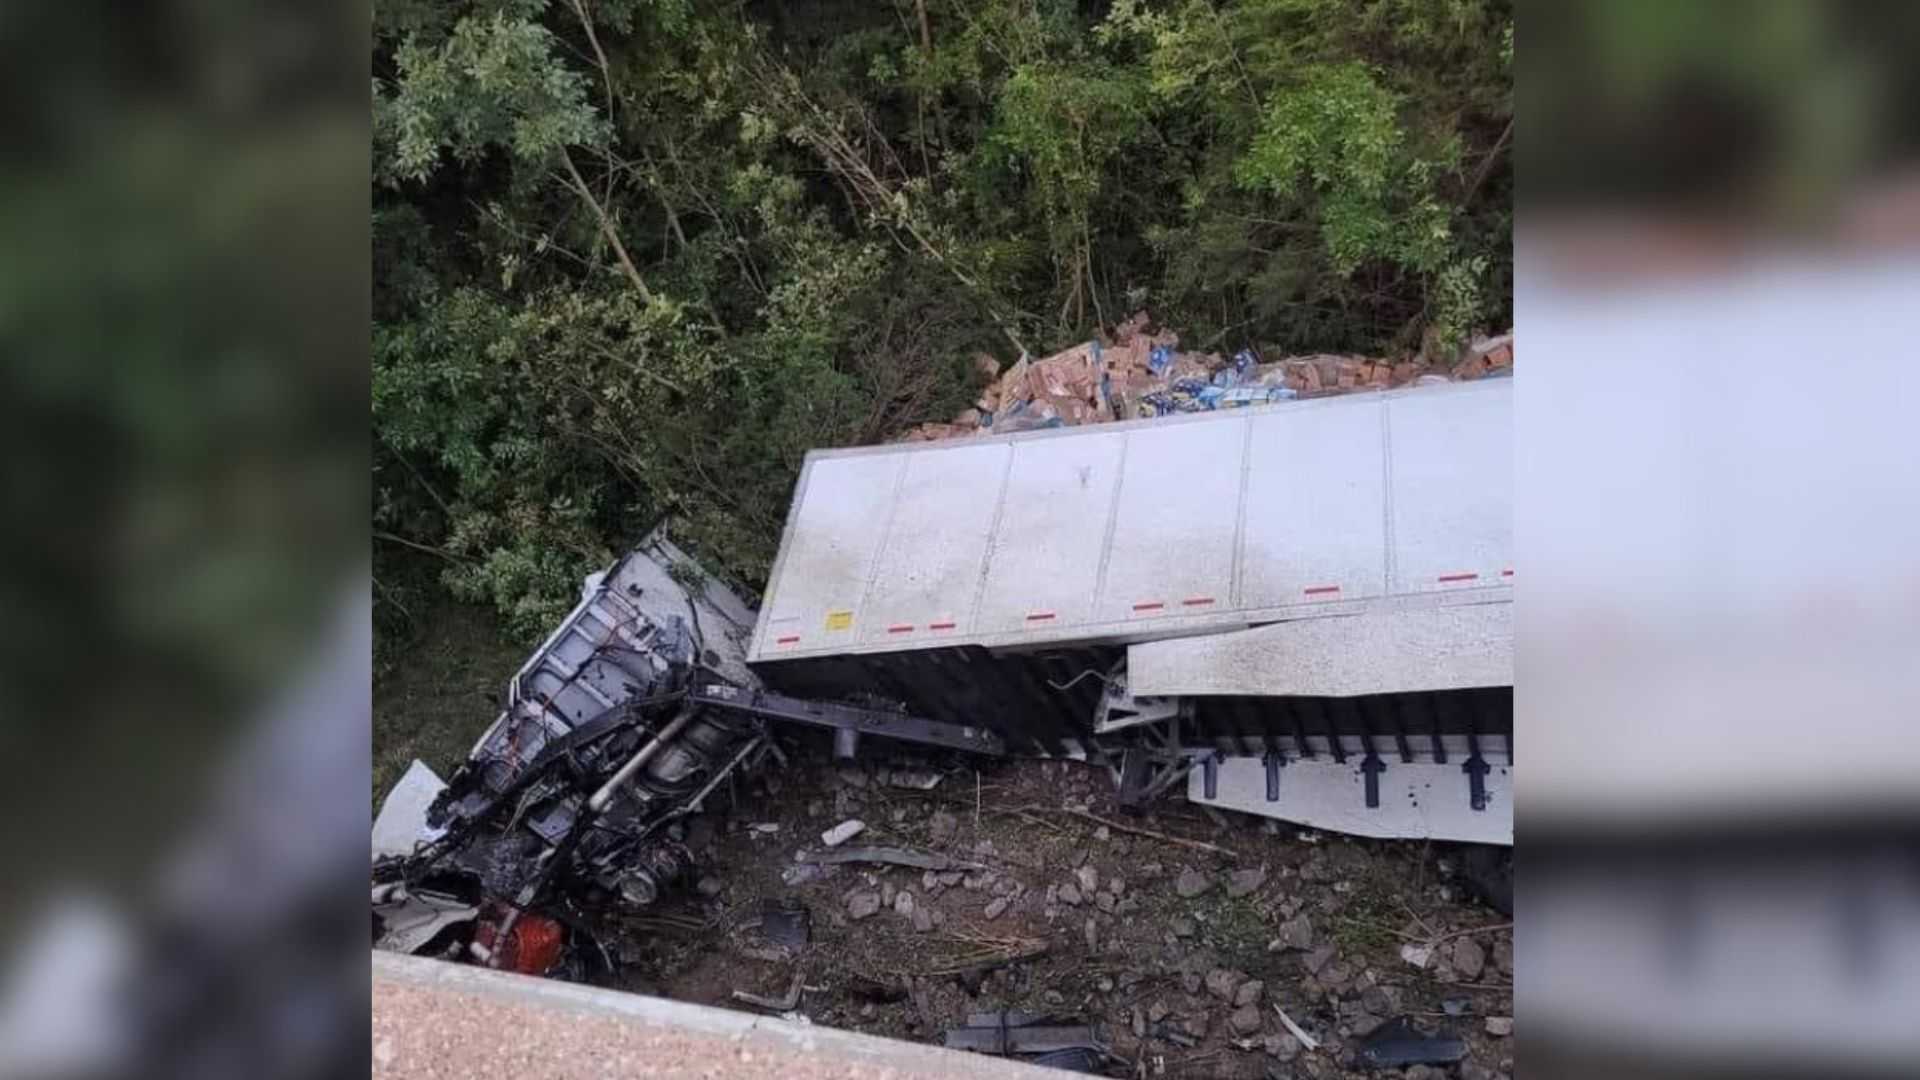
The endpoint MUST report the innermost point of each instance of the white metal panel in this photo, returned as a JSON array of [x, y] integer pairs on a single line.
[[1421, 800], [1429, 648], [1183, 517], [844, 506], [1046, 549], [1174, 527], [1316, 507], [402, 821], [925, 579], [1452, 490]]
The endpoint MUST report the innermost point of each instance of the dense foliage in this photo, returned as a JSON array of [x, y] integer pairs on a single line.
[[634, 257]]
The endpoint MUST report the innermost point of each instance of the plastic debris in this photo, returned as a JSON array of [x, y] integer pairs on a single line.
[[843, 832], [1397, 1044]]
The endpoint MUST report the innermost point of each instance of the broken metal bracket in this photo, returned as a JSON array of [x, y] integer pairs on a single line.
[[1119, 709], [844, 718]]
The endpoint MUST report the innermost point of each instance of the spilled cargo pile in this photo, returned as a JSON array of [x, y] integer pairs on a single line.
[[1136, 373]]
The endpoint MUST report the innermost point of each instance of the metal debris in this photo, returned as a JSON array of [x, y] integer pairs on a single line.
[[1397, 1043], [1015, 1032], [1294, 1029], [782, 1004], [919, 860], [786, 923]]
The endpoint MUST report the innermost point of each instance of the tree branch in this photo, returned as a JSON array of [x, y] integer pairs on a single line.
[[1486, 165], [579, 185]]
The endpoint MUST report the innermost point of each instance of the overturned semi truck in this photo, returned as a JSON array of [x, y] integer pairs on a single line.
[[1302, 611]]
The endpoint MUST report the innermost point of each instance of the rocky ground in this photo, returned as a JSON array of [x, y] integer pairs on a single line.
[[1179, 954]]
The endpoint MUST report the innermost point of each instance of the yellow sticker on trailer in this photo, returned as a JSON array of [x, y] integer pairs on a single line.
[[839, 620]]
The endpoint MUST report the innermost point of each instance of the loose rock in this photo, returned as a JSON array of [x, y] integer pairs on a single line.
[[1139, 1023], [1089, 879], [1296, 933], [1469, 959], [1380, 1000], [1191, 883], [1181, 926], [1222, 982], [710, 887], [1282, 1046], [1245, 1021], [995, 907], [1249, 993], [1156, 1012], [843, 832], [862, 904], [922, 919], [1318, 958], [1503, 955], [903, 903], [1093, 937], [944, 825], [1242, 882], [1069, 895], [1500, 1026]]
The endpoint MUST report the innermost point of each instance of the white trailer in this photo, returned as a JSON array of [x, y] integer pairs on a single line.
[[1292, 582]]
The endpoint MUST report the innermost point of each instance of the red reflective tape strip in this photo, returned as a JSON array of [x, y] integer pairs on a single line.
[[1150, 605], [1321, 590], [1506, 573], [1197, 601], [939, 626], [900, 628], [1040, 616], [786, 640], [1458, 577]]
